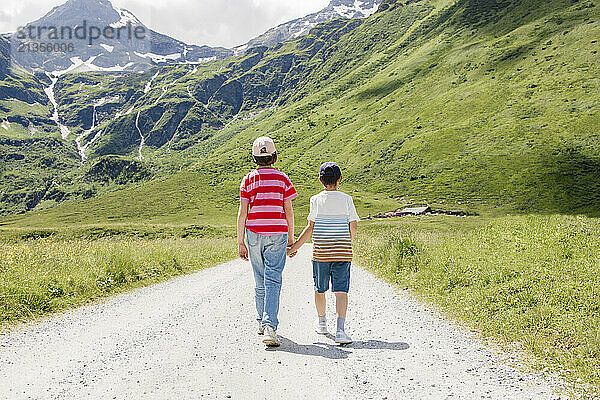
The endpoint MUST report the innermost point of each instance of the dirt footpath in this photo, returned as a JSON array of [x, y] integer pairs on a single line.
[[194, 337]]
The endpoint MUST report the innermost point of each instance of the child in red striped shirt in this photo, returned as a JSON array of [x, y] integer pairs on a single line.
[[265, 228]]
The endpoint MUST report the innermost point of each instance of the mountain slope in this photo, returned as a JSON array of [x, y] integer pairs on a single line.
[[465, 106], [108, 52], [34, 162], [165, 110], [100, 111], [493, 106], [301, 26], [174, 107]]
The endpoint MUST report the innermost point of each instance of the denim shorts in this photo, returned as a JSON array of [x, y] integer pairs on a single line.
[[336, 271]]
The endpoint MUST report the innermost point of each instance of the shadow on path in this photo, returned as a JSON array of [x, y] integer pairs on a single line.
[[333, 350]]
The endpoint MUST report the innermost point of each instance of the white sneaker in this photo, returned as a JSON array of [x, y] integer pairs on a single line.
[[271, 338], [321, 327], [342, 337], [261, 329]]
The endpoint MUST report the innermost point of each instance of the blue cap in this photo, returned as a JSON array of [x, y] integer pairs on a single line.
[[330, 169]]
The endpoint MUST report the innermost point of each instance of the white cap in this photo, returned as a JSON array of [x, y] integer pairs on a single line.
[[263, 146]]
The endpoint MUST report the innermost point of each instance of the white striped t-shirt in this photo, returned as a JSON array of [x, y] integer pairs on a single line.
[[332, 211]]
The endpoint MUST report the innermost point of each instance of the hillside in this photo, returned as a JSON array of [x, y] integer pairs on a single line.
[[161, 112], [301, 26], [490, 104]]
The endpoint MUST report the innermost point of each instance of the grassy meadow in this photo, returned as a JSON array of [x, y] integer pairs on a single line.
[[39, 276], [530, 280]]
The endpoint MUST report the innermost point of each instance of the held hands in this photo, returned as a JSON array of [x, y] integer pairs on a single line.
[[292, 249]]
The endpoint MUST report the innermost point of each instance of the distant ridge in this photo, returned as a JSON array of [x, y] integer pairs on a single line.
[[301, 26]]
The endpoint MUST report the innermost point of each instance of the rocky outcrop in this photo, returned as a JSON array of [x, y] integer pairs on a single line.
[[4, 57], [116, 169], [33, 170]]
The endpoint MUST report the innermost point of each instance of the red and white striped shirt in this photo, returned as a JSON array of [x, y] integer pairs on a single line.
[[265, 190]]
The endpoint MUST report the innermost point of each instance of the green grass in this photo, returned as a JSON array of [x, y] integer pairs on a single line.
[[15, 131], [533, 280], [189, 197], [138, 230], [35, 113], [34, 169], [45, 275]]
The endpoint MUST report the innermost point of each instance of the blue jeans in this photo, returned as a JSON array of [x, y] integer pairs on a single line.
[[267, 256]]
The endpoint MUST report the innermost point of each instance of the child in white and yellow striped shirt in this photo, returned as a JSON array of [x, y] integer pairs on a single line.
[[332, 223]]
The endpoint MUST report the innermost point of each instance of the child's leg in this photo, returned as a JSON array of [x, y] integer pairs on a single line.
[[340, 274], [256, 260], [320, 303], [341, 304], [321, 274], [274, 254]]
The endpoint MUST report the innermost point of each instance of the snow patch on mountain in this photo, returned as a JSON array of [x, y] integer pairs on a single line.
[[107, 47], [303, 31], [149, 84], [126, 18], [32, 129], [206, 59], [357, 9], [301, 26], [78, 65], [142, 138], [157, 58]]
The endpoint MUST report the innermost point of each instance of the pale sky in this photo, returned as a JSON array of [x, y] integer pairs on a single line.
[[202, 22]]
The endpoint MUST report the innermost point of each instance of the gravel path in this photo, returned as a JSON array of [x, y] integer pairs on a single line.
[[194, 337]]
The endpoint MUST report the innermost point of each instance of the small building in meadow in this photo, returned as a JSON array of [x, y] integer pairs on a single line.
[[415, 210]]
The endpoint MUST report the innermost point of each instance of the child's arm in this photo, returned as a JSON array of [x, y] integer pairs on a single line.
[[241, 228], [289, 216], [353, 229], [304, 236]]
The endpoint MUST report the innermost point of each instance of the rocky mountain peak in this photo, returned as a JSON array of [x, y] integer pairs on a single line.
[[301, 26], [79, 10], [104, 53], [354, 8]]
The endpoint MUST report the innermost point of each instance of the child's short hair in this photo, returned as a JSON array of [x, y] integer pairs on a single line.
[[329, 180], [264, 161], [329, 173]]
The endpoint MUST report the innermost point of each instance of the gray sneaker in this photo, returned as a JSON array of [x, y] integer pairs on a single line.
[[321, 327], [261, 329], [342, 337], [271, 338]]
